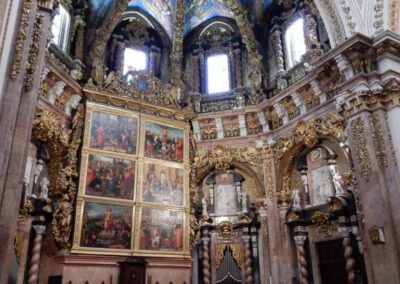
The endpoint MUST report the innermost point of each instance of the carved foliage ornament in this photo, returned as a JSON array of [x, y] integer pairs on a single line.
[[33, 52], [361, 152], [19, 45], [222, 157], [63, 145], [322, 221], [308, 133]]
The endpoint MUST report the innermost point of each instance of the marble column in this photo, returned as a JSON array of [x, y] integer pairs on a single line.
[[248, 270], [17, 108], [33, 275], [300, 239], [206, 257]]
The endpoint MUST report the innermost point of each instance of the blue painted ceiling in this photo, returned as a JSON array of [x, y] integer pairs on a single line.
[[197, 11]]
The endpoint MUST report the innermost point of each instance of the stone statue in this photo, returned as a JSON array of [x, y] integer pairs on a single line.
[[240, 101], [296, 199], [337, 181], [204, 207], [71, 104], [56, 91], [244, 202], [44, 187]]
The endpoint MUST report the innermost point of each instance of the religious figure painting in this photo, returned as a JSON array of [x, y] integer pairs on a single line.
[[113, 133], [161, 230], [110, 177], [106, 226], [162, 184], [163, 142]]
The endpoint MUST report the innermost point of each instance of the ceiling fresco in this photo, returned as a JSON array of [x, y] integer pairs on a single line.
[[161, 10], [197, 11]]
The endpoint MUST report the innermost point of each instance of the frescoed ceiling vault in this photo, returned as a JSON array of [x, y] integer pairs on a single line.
[[163, 11]]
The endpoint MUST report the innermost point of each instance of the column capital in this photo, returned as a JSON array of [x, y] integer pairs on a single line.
[[40, 229]]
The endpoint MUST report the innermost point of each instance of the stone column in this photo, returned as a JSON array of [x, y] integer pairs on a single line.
[[36, 251], [265, 265], [378, 188], [300, 239], [348, 250], [17, 109]]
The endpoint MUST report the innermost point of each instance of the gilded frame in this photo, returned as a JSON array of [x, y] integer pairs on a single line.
[[136, 203]]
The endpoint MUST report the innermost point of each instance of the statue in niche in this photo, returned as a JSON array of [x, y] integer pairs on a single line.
[[204, 207], [72, 103], [44, 188], [296, 199], [244, 202], [240, 101], [56, 91], [337, 181]]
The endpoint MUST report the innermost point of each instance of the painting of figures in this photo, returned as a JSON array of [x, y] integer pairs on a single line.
[[106, 226], [162, 184], [163, 142], [161, 230], [110, 177], [115, 133]]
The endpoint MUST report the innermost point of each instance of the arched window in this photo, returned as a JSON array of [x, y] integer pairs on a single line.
[[218, 74], [60, 28], [134, 60], [295, 44]]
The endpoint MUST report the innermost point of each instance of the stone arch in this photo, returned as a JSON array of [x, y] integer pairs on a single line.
[[223, 158], [333, 22]]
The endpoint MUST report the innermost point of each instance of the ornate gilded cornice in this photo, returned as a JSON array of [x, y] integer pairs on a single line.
[[142, 88], [371, 97]]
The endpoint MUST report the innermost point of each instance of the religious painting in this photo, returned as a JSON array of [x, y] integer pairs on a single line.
[[106, 226], [110, 177], [113, 133], [162, 184], [163, 142], [161, 230]]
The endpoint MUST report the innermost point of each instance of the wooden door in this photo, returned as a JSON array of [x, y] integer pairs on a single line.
[[332, 264]]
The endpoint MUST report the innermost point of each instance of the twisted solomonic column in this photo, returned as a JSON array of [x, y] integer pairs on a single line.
[[301, 258], [35, 259], [206, 261], [248, 271], [348, 256]]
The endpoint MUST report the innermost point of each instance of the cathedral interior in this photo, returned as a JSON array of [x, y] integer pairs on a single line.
[[199, 141]]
